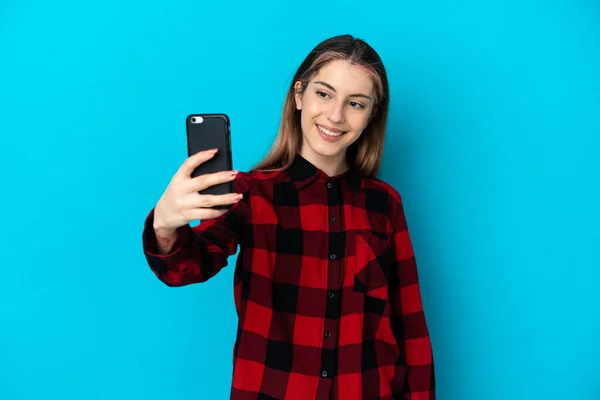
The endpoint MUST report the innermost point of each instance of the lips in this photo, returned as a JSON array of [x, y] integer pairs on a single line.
[[328, 135], [330, 131]]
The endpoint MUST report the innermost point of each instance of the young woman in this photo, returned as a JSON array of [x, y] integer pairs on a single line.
[[326, 286]]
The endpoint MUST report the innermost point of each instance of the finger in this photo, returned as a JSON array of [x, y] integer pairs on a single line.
[[195, 200], [193, 161], [204, 181], [210, 200], [204, 213]]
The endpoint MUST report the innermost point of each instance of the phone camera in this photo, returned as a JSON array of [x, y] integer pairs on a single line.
[[193, 119]]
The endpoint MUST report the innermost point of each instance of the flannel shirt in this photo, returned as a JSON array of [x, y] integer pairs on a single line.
[[325, 286]]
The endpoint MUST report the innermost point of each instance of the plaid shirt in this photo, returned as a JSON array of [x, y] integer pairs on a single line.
[[326, 287]]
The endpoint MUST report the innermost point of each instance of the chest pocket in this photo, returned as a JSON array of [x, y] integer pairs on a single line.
[[372, 261]]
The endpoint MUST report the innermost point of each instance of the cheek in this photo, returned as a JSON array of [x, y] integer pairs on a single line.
[[310, 111], [359, 122], [310, 106]]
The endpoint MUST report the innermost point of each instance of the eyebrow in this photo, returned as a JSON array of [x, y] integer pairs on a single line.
[[352, 95]]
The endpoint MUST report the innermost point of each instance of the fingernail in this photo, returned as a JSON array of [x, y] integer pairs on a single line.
[[237, 196], [212, 151], [233, 173]]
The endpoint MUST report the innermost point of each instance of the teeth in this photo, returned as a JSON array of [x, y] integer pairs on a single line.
[[328, 132]]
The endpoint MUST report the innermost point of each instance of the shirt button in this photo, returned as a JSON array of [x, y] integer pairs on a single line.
[[332, 219], [332, 256], [331, 295], [324, 374], [327, 334], [329, 186]]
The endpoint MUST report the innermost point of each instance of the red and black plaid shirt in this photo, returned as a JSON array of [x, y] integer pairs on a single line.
[[326, 287]]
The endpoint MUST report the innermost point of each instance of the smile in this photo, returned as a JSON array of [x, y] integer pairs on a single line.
[[331, 133]]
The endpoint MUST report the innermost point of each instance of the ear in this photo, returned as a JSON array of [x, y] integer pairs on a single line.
[[298, 95]]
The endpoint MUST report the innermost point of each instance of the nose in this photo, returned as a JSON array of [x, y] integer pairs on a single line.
[[336, 112]]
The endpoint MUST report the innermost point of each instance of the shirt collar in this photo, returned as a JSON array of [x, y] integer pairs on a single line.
[[302, 172]]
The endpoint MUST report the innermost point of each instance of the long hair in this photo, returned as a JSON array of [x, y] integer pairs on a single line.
[[364, 154]]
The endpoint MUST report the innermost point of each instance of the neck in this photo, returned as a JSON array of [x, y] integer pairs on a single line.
[[331, 166]]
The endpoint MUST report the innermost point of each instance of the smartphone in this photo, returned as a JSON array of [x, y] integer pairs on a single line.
[[205, 132]]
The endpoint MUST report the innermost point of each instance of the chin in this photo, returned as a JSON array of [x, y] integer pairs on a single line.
[[322, 148], [328, 152]]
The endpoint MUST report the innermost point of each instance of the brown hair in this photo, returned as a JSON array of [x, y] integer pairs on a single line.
[[364, 154]]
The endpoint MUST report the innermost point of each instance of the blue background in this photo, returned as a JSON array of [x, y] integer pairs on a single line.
[[494, 122]]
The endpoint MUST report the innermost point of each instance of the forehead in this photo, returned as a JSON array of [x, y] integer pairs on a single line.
[[346, 77]]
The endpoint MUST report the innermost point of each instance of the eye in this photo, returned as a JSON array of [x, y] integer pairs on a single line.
[[354, 104], [321, 94]]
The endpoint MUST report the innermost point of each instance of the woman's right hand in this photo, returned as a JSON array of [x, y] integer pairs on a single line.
[[181, 203]]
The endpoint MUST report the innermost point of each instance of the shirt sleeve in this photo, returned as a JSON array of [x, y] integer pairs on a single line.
[[199, 252], [415, 377]]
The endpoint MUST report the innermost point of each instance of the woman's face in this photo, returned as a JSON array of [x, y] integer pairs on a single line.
[[335, 109]]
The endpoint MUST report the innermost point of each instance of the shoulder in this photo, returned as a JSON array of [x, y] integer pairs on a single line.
[[378, 187], [382, 195], [253, 179]]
